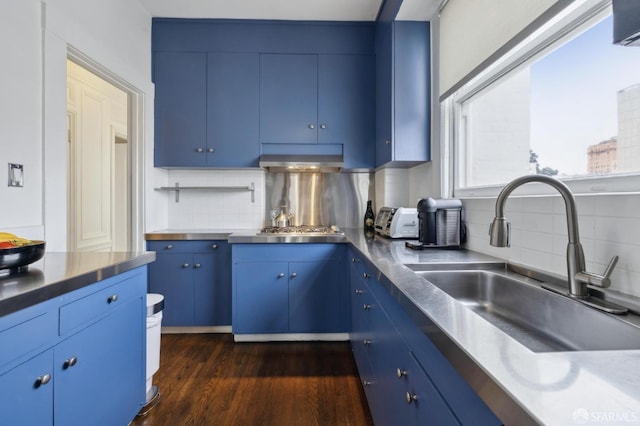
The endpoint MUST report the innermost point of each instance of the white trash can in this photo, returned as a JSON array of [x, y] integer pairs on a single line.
[[155, 305]]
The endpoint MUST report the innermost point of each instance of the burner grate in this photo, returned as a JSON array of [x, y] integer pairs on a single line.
[[303, 229]]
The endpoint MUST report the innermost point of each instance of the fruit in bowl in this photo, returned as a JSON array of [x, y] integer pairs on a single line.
[[17, 253]]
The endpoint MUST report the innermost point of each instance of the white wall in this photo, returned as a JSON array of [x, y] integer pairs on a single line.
[[20, 116], [115, 35]]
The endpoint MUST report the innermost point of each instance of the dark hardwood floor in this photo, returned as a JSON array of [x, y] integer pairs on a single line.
[[207, 379]]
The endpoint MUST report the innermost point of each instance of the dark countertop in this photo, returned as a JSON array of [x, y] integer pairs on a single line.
[[59, 273]]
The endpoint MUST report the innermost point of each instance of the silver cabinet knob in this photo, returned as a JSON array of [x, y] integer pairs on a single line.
[[199, 150], [366, 383], [281, 275], [210, 150], [185, 265], [293, 275], [411, 397], [169, 247], [70, 362], [312, 126], [197, 265], [42, 380], [366, 342], [214, 246], [323, 126], [366, 276], [388, 142], [358, 291], [354, 260], [112, 298], [366, 307], [401, 373]]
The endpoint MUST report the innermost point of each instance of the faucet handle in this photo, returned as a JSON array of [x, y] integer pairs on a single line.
[[599, 280]]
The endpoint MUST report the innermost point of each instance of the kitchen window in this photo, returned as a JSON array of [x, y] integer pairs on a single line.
[[565, 102]]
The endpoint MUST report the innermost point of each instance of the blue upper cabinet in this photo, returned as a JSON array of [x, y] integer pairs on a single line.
[[346, 108], [232, 109], [403, 93], [227, 91], [180, 108], [288, 98]]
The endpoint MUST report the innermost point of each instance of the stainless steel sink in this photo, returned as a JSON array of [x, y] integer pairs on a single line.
[[539, 319]]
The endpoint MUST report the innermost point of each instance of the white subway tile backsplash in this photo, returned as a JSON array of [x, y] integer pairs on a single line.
[[210, 209], [608, 225]]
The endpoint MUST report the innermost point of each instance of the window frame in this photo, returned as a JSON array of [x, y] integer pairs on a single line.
[[566, 25]]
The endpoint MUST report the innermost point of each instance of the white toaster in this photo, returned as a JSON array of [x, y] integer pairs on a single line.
[[401, 222]]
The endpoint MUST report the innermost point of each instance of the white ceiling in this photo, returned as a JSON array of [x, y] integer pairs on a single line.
[[311, 10]]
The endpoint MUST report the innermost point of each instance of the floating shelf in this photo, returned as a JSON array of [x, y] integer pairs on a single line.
[[179, 188]]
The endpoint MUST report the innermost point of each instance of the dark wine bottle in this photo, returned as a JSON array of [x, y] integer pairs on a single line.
[[369, 217]]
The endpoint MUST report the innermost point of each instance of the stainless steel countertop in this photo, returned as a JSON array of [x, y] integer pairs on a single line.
[[554, 388], [59, 273], [250, 236], [520, 386]]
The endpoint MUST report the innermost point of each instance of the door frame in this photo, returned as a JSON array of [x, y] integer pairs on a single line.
[[135, 139]]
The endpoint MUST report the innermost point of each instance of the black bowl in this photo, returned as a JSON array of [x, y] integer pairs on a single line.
[[17, 258]]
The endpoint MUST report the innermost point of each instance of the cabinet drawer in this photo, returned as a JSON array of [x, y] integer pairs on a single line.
[[22, 334], [168, 246], [82, 312]]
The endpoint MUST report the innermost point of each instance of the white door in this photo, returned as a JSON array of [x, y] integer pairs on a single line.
[[98, 163]]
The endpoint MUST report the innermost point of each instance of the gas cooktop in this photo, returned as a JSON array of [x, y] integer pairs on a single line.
[[303, 230]]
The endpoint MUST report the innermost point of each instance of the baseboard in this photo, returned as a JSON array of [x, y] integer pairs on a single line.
[[197, 329], [292, 337]]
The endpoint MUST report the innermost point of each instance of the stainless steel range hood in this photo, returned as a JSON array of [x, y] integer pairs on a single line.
[[302, 163]]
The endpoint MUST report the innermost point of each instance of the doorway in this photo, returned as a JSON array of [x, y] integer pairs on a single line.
[[99, 213]]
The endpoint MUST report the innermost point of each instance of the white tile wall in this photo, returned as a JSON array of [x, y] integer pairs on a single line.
[[392, 189], [608, 224], [216, 209]]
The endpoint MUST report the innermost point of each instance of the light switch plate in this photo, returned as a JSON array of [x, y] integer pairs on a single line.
[[16, 176]]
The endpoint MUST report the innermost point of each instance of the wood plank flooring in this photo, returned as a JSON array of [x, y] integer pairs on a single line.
[[207, 379]]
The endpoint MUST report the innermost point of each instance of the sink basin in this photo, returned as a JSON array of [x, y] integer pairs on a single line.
[[539, 319]]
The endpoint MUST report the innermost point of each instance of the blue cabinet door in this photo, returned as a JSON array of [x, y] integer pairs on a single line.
[[180, 108], [172, 276], [25, 399], [261, 299], [106, 383], [403, 92], [233, 109], [212, 285], [288, 98], [384, 95], [315, 305], [346, 106]]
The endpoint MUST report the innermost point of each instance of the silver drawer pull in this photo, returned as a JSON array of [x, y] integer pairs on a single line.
[[366, 342], [214, 246], [401, 373], [366, 276], [70, 362], [366, 306], [42, 380], [112, 298], [197, 265], [199, 150], [185, 265], [281, 275], [411, 397], [366, 383], [293, 275], [169, 247], [354, 260], [358, 291]]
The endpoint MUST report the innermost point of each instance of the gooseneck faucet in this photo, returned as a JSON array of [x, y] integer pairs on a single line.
[[578, 278]]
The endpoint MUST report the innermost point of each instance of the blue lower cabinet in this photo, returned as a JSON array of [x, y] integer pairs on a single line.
[[406, 379], [27, 392], [261, 302], [289, 288], [195, 279], [100, 364], [89, 369]]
